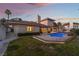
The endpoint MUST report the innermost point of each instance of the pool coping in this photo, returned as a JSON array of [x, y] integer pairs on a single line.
[[45, 41]]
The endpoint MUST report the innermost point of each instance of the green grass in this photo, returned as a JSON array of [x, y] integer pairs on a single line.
[[28, 46]]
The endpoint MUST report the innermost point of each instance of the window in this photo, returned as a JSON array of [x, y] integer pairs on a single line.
[[29, 28], [10, 26]]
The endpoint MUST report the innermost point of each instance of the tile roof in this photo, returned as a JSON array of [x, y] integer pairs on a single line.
[[66, 24], [29, 23], [47, 19]]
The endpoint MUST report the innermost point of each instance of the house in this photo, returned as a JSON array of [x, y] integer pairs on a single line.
[[47, 21], [74, 25], [53, 27], [25, 26], [73, 22], [46, 25]]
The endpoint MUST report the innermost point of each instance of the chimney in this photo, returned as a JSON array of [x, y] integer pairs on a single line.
[[39, 19]]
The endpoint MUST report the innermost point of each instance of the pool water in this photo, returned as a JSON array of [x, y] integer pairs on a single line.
[[58, 34]]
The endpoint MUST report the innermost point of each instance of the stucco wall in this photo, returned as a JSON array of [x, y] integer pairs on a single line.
[[50, 23], [44, 22], [23, 29], [19, 28], [2, 32], [33, 29], [36, 29], [47, 22]]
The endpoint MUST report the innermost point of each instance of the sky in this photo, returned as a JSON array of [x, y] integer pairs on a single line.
[[29, 11]]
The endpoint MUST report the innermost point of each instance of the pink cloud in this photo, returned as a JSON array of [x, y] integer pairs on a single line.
[[39, 4], [20, 8]]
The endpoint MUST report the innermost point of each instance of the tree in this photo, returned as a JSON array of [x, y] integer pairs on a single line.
[[20, 19], [60, 27], [3, 20], [8, 13]]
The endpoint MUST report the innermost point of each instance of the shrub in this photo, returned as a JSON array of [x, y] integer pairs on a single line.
[[27, 34], [70, 34], [76, 31]]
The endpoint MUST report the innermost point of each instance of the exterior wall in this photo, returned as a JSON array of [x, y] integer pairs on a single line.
[[50, 23], [54, 30], [19, 28], [49, 30], [76, 26], [44, 30], [36, 29], [32, 29], [23, 29], [44, 22], [47, 22], [2, 32], [72, 25]]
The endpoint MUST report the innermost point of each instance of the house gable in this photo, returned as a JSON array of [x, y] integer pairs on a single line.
[[47, 21]]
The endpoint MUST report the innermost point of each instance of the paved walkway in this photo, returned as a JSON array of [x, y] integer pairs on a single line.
[[5, 42]]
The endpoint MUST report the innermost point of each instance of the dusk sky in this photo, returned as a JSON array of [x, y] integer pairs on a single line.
[[29, 11]]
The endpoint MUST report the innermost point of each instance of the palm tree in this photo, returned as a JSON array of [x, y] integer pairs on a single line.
[[60, 26], [8, 13]]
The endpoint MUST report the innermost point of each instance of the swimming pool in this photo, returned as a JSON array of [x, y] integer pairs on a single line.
[[58, 34]]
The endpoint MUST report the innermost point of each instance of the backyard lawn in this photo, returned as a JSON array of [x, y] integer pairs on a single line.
[[28, 46]]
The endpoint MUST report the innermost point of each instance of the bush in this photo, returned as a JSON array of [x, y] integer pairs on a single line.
[[70, 34], [27, 34], [76, 31]]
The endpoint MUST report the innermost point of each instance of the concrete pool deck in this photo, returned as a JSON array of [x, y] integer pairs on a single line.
[[55, 40]]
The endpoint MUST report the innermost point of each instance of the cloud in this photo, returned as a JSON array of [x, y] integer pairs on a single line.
[[20, 8], [39, 4]]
